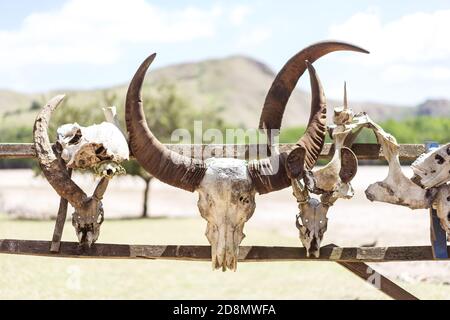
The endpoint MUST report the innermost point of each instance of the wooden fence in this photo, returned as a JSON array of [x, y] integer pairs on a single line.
[[353, 259]]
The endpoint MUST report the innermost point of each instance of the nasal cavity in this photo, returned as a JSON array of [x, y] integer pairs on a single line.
[[439, 159]]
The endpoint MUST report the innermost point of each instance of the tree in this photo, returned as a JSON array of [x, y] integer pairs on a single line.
[[133, 168], [165, 107]]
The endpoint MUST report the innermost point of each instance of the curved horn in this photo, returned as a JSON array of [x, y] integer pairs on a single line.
[[166, 165], [52, 167], [304, 156], [314, 137], [287, 79]]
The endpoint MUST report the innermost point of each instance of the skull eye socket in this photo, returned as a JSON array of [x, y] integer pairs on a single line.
[[448, 198], [439, 159], [448, 216], [448, 151], [76, 138]]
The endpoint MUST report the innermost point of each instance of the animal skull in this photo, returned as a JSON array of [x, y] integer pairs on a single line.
[[86, 147], [78, 144], [432, 169], [312, 221], [226, 202], [88, 219], [331, 182], [227, 187]]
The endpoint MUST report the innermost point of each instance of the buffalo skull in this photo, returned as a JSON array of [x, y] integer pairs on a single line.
[[227, 187]]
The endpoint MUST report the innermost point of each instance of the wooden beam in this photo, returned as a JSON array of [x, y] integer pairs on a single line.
[[408, 152], [203, 253], [60, 220], [377, 280]]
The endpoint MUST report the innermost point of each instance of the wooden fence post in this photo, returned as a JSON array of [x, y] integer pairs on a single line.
[[438, 236]]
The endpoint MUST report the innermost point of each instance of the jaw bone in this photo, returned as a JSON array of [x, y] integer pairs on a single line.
[[396, 188]]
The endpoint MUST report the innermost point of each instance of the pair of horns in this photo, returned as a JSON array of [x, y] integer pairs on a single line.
[[186, 173]]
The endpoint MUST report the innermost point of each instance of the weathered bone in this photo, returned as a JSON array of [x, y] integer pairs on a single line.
[[327, 179], [312, 219], [343, 115], [226, 202], [432, 169], [396, 188], [88, 215], [331, 181], [227, 187], [85, 147]]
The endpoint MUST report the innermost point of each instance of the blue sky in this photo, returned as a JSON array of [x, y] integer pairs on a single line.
[[50, 44]]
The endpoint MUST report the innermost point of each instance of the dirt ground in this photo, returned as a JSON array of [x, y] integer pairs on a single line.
[[352, 222]]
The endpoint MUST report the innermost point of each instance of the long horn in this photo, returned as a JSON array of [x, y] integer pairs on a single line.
[[53, 167], [304, 156], [287, 79], [314, 137], [166, 165]]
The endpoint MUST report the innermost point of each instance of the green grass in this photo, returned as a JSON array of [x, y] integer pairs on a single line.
[[24, 277]]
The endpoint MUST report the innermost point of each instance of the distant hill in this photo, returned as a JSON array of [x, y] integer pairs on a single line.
[[237, 85], [434, 107]]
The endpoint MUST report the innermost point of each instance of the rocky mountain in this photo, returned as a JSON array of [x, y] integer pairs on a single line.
[[237, 85], [434, 107]]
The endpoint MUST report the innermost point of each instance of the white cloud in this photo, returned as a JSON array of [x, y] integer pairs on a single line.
[[401, 73], [238, 14], [93, 31], [414, 38], [254, 37]]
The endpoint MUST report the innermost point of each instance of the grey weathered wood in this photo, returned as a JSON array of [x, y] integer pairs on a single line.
[[203, 253], [408, 152], [60, 221], [377, 280]]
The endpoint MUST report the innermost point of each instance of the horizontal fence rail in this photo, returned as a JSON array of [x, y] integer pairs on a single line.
[[203, 253], [364, 151]]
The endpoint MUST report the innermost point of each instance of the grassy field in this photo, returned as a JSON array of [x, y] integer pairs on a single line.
[[25, 277]]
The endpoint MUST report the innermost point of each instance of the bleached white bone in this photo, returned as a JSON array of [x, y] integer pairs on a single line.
[[84, 147], [396, 188], [432, 169], [327, 178], [226, 202], [112, 117]]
